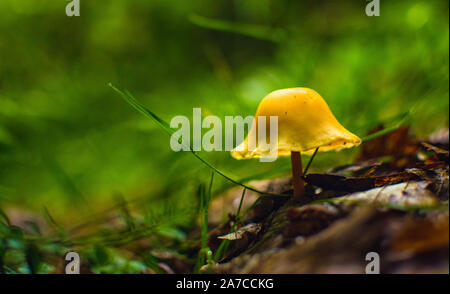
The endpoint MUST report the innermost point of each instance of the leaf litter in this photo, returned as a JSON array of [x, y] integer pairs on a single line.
[[393, 200]]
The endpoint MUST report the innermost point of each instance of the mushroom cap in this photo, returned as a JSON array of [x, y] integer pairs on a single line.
[[305, 122]]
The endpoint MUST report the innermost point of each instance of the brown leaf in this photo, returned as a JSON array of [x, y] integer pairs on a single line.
[[435, 149], [398, 142], [340, 248], [339, 183], [418, 236], [350, 184], [310, 219], [251, 229], [440, 137], [394, 179], [402, 195], [441, 154]]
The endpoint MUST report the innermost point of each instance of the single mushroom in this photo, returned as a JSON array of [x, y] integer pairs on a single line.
[[305, 123]]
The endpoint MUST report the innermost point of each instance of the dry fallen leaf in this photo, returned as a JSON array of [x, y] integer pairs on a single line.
[[353, 184], [248, 229], [409, 194], [417, 236], [398, 142], [310, 219]]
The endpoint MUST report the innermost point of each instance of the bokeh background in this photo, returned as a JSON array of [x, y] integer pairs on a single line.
[[69, 145]]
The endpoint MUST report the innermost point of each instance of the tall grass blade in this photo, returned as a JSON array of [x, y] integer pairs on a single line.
[[310, 161], [255, 31], [164, 125], [399, 119], [225, 243]]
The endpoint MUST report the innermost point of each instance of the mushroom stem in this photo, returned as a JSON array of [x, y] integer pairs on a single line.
[[297, 172]]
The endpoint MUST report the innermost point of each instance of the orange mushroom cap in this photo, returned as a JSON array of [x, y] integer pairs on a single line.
[[305, 122]]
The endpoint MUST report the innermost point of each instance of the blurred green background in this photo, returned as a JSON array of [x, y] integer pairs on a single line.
[[72, 145]]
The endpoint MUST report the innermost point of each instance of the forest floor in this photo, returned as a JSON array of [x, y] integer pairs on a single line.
[[393, 202], [387, 212]]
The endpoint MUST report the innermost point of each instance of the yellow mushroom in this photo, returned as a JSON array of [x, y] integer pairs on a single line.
[[305, 123]]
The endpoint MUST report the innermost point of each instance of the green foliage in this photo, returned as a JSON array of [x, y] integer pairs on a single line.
[[204, 254], [225, 243], [69, 145], [63, 131], [104, 260]]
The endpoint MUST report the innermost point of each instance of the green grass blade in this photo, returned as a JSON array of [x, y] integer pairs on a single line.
[[207, 198], [164, 125], [255, 31], [399, 119], [4, 216], [239, 209], [310, 161], [380, 133], [202, 210], [142, 109], [203, 254], [225, 243]]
